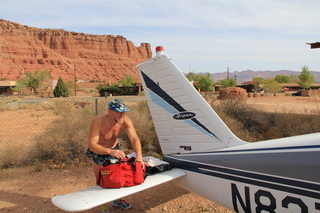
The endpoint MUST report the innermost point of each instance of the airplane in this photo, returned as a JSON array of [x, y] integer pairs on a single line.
[[278, 175]]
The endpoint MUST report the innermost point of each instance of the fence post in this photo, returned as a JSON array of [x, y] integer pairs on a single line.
[[96, 106]]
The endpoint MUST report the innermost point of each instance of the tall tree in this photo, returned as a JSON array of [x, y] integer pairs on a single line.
[[294, 78], [34, 80], [271, 85], [259, 82], [205, 82], [259, 79], [61, 89], [228, 83], [306, 78], [282, 78], [191, 76]]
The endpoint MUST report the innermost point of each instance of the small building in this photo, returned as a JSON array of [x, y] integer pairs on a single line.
[[297, 87], [249, 86], [5, 87]]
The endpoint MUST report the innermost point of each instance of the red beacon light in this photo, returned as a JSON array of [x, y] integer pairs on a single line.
[[159, 50]]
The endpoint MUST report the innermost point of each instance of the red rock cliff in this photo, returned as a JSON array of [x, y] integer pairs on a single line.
[[67, 54]]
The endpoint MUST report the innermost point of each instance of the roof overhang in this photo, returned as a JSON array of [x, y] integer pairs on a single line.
[[7, 83], [314, 45]]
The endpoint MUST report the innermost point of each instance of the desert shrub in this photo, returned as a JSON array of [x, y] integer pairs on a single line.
[[253, 120], [140, 115], [259, 125], [291, 124], [3, 106], [10, 155], [67, 139], [234, 125], [26, 106]]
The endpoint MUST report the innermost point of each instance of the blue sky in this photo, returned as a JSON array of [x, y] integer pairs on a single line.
[[199, 35]]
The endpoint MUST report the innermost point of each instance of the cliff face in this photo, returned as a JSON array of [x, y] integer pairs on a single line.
[[67, 54]]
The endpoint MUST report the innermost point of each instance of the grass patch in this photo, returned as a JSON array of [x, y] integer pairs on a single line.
[[256, 125]]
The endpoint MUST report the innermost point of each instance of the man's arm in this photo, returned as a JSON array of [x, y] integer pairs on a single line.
[[134, 139], [94, 135]]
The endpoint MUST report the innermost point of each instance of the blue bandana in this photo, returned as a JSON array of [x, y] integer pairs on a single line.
[[118, 106]]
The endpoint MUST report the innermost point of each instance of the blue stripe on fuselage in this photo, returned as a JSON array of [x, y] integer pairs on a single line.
[[273, 182]]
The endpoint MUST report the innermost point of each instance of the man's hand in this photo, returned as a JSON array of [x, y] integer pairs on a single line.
[[142, 163], [117, 153]]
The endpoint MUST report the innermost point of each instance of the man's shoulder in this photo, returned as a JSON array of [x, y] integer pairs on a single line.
[[99, 118], [127, 121]]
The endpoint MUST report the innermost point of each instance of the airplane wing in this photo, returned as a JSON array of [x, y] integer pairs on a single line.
[[89, 198]]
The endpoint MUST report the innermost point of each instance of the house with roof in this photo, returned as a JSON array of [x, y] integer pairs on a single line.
[[5, 87]]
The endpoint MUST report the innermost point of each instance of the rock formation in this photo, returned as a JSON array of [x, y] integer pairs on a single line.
[[67, 54], [232, 92]]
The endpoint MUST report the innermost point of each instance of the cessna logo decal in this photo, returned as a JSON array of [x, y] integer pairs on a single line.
[[184, 115]]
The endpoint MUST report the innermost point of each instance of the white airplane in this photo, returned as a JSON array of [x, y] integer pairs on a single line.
[[279, 175]]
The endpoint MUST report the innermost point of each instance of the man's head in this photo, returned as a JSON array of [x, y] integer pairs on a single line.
[[118, 106]]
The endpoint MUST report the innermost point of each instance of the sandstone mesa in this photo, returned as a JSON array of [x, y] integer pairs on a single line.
[[67, 54]]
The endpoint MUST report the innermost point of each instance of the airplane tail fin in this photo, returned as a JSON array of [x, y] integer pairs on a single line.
[[183, 119]]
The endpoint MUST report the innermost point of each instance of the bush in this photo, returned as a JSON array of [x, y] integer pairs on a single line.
[[110, 90], [67, 139], [61, 89], [116, 91], [260, 125], [140, 115]]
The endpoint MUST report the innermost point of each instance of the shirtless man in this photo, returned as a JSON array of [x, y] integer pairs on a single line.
[[103, 138]]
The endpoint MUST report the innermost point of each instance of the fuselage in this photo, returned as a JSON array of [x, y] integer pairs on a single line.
[[270, 175]]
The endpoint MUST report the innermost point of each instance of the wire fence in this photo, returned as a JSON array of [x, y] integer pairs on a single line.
[[43, 128]]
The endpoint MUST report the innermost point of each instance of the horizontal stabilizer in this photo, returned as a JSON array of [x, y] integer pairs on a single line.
[[89, 198]]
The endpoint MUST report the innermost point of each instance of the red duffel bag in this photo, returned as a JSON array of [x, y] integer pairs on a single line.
[[123, 173]]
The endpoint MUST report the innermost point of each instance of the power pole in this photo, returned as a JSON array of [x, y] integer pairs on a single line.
[[75, 81], [228, 76]]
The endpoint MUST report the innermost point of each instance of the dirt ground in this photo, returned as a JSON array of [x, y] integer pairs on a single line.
[[25, 190], [282, 103]]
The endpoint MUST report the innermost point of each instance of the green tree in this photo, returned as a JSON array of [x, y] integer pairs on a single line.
[[61, 89], [259, 79], [294, 78], [306, 78], [205, 82], [126, 81], [191, 76], [259, 82], [271, 85], [228, 83], [282, 78], [34, 80]]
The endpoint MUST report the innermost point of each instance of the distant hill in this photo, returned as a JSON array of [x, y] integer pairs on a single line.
[[247, 75]]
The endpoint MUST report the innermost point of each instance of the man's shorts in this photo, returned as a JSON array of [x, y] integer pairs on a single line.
[[100, 159]]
